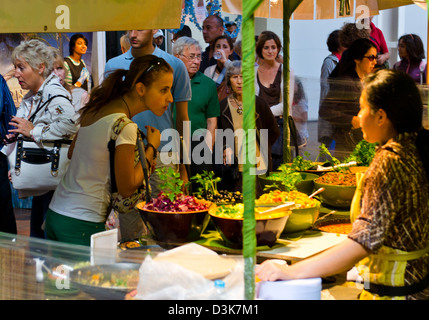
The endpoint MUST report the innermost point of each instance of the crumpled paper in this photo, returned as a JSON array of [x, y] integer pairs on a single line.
[[161, 280]]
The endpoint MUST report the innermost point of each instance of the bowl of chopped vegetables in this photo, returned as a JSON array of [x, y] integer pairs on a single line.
[[339, 187], [303, 215], [176, 223], [228, 220], [107, 282]]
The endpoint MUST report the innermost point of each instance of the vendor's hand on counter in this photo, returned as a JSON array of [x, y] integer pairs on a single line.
[[272, 271]]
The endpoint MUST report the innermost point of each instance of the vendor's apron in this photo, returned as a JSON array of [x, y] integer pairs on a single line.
[[385, 270]]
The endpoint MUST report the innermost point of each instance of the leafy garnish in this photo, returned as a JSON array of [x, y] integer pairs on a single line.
[[172, 184], [363, 153], [208, 183]]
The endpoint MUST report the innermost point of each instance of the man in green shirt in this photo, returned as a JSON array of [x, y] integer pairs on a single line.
[[203, 109]]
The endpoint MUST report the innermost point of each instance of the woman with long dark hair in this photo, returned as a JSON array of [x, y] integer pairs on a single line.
[[341, 105], [269, 84], [81, 202], [412, 52]]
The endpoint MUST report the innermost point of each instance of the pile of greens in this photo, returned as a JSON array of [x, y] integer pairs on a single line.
[[363, 153], [209, 191], [286, 175]]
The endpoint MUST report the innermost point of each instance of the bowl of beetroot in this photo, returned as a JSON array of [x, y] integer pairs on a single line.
[[174, 217], [173, 222]]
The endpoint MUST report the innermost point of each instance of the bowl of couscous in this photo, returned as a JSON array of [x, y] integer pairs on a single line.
[[304, 214]]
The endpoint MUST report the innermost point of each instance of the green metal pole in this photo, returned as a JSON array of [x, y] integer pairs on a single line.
[[249, 180]]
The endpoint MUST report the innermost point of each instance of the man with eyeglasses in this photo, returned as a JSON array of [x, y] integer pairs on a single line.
[[204, 108], [142, 44]]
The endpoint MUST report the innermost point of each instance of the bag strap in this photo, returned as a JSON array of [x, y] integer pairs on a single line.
[[117, 128], [40, 106], [294, 134]]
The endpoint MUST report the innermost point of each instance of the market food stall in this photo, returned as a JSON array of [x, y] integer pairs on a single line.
[[37, 259]]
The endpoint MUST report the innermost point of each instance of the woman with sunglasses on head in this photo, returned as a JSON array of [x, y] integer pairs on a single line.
[[81, 202], [412, 52], [390, 235], [340, 106]]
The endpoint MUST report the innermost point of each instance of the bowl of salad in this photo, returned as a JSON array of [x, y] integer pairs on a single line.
[[339, 187], [304, 214], [228, 220], [107, 281]]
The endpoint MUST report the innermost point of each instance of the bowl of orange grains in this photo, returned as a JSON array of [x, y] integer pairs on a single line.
[[339, 187], [334, 224], [304, 214]]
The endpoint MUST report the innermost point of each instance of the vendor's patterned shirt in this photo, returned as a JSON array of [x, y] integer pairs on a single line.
[[395, 205]]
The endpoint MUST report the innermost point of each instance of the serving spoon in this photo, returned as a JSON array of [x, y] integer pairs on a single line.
[[285, 206], [316, 192]]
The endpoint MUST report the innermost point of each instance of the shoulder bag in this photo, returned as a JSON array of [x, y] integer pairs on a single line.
[[38, 165]]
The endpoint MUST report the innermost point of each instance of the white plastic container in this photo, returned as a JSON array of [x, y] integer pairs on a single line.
[[303, 289]]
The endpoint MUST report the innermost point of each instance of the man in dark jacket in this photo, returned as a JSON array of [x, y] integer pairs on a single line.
[[8, 109]]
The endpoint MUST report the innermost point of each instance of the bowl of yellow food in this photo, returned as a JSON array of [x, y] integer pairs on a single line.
[[304, 214]]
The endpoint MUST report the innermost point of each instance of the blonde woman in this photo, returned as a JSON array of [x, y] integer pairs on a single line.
[[33, 61]]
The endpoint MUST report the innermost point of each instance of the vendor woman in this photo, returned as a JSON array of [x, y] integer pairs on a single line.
[[390, 235]]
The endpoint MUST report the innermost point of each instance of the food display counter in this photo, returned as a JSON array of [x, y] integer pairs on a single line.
[[36, 269]]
